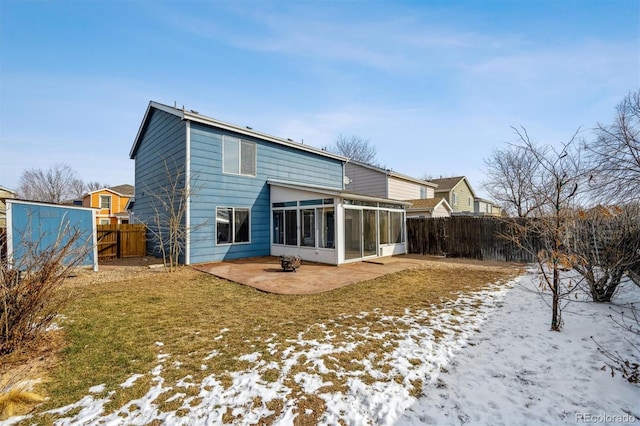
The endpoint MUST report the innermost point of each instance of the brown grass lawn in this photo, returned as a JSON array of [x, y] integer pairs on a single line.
[[112, 330]]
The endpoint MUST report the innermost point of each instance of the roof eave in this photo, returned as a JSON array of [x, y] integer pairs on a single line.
[[196, 117], [187, 115], [155, 105]]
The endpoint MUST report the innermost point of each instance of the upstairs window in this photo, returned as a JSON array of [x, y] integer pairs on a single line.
[[105, 202], [239, 157]]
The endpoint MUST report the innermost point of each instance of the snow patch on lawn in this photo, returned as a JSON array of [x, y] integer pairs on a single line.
[[486, 358]]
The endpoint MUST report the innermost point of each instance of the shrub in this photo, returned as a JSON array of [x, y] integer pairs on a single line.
[[29, 296]]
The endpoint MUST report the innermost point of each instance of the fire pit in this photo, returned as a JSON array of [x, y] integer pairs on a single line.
[[290, 263]]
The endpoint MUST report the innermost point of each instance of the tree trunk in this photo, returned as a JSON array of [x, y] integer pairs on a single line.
[[555, 303]]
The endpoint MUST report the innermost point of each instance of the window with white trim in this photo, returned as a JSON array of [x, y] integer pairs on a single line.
[[105, 202], [454, 198], [238, 156], [308, 227], [233, 225]]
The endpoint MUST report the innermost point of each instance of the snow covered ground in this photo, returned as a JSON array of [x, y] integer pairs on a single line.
[[487, 358]]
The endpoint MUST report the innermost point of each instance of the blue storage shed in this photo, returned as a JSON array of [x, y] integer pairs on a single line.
[[34, 227]]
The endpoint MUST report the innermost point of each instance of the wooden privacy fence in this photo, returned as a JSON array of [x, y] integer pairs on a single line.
[[460, 236], [118, 241]]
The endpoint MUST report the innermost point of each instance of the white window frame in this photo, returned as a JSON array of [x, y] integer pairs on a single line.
[[239, 142], [106, 197], [232, 222], [454, 198]]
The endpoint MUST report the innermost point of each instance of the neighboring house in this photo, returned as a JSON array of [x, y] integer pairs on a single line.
[[4, 194], [111, 204], [34, 228], [458, 193], [431, 207], [378, 182], [251, 194], [483, 207]]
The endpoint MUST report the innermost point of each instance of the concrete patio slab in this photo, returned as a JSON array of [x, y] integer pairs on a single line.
[[265, 273]]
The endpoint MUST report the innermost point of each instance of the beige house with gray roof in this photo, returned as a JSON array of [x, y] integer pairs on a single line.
[[458, 193], [378, 182]]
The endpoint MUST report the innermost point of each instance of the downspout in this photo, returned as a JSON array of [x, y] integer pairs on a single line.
[[187, 189]]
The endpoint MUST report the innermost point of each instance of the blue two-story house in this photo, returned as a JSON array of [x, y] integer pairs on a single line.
[[250, 194]]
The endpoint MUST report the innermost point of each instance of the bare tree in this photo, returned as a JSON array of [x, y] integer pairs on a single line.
[[167, 224], [603, 243], [355, 148], [615, 154], [509, 174], [54, 185], [554, 188], [94, 186]]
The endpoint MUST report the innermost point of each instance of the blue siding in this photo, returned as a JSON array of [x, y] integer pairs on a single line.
[[212, 189], [37, 228], [163, 141]]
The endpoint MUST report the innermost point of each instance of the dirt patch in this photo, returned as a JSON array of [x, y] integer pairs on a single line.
[[117, 270]]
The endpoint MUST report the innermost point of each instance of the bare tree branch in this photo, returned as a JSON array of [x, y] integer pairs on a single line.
[[54, 185], [615, 154], [167, 223], [509, 173], [553, 183], [355, 148]]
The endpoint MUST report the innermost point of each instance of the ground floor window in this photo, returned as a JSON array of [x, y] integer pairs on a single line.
[[307, 227], [291, 227], [383, 226], [366, 228], [395, 227], [278, 227], [233, 225], [326, 227], [285, 227]]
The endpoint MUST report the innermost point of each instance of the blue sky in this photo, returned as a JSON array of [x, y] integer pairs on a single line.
[[435, 85]]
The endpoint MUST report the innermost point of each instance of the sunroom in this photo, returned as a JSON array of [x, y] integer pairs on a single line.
[[328, 225]]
